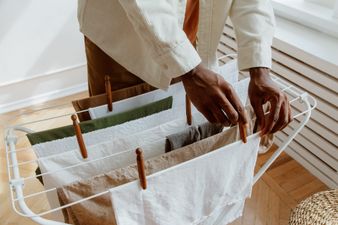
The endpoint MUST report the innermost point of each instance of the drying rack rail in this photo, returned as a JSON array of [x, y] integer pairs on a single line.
[[302, 104]]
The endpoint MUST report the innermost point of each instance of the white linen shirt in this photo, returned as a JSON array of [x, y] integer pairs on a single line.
[[146, 36]]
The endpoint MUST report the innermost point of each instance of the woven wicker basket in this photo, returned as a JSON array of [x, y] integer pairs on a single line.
[[319, 209]]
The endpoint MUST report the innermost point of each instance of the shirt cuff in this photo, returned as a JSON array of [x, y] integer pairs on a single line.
[[181, 59], [254, 56]]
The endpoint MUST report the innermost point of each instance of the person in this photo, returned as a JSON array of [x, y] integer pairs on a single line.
[[136, 41]]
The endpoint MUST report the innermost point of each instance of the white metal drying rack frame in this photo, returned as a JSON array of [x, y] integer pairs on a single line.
[[16, 181]]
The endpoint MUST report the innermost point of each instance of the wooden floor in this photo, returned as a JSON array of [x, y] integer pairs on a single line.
[[279, 190]]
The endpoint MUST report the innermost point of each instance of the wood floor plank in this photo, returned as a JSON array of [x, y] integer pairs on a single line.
[[280, 161], [237, 222], [262, 204], [249, 214], [307, 190], [283, 168], [264, 157], [273, 206], [294, 179], [284, 213], [282, 194]]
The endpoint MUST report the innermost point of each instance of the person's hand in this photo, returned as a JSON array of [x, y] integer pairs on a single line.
[[214, 97], [261, 90]]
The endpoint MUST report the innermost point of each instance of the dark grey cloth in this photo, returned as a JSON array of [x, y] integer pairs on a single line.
[[191, 135], [209, 129], [182, 139]]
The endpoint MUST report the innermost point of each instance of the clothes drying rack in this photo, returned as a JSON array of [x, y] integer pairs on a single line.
[[17, 180]]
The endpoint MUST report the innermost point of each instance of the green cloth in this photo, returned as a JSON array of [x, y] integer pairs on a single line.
[[100, 123]]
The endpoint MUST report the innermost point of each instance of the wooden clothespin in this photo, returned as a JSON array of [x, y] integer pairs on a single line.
[[140, 167], [108, 93], [188, 110], [79, 137], [242, 131]]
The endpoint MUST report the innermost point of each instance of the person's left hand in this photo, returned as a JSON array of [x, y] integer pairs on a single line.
[[263, 89]]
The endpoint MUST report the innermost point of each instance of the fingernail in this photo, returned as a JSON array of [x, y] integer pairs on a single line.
[[246, 128]]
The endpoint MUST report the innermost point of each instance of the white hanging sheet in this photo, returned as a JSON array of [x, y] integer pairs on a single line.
[[191, 192], [226, 214]]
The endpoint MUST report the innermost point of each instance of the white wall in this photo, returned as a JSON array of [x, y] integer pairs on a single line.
[[328, 3], [41, 51]]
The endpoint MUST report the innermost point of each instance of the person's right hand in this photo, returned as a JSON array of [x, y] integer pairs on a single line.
[[214, 97]]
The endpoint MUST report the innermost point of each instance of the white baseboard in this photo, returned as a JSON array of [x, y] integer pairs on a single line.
[[42, 88]]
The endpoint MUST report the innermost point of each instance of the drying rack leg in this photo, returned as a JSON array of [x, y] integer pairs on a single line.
[[18, 184], [281, 148]]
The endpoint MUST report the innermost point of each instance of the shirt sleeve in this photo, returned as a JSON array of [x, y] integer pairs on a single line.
[[254, 23], [158, 26]]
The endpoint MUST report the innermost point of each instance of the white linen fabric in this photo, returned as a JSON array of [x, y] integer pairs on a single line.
[[146, 37], [226, 214], [192, 192]]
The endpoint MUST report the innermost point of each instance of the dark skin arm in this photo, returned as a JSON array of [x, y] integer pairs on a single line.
[[219, 103]]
